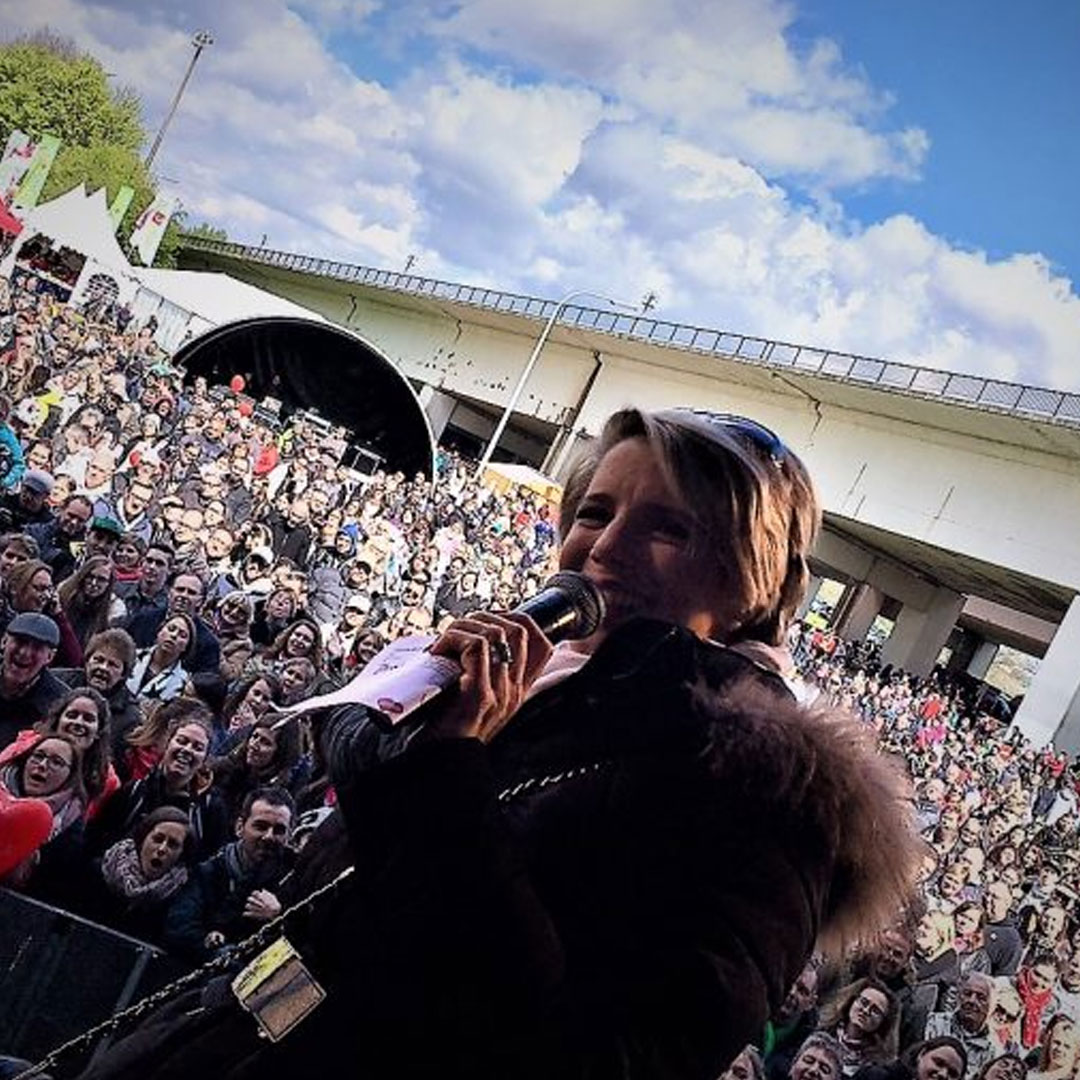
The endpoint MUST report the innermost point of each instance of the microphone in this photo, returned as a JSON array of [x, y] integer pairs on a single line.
[[405, 674], [567, 608]]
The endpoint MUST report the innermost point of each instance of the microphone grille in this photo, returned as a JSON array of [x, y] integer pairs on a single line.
[[587, 600]]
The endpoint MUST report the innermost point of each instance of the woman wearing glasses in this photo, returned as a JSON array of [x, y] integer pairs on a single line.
[[610, 858], [49, 768], [865, 1020]]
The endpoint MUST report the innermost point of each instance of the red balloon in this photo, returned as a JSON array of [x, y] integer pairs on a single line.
[[237, 384], [24, 826], [246, 408]]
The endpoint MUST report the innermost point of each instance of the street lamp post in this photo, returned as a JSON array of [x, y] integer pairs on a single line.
[[526, 371], [200, 41]]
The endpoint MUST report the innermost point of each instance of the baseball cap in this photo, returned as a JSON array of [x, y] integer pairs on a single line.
[[38, 480], [33, 624], [107, 524]]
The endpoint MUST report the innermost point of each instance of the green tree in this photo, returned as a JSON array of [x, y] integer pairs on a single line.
[[47, 86]]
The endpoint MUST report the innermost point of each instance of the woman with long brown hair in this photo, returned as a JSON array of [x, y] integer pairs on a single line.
[[88, 600]]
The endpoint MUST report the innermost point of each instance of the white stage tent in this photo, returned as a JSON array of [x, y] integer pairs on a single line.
[[185, 303]]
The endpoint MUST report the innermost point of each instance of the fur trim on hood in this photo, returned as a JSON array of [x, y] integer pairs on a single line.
[[842, 794]]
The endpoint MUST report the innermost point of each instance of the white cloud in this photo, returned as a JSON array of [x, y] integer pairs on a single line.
[[664, 148]]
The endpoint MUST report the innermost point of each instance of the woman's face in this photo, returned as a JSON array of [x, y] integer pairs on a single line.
[[941, 1063], [37, 591], [367, 648], [80, 722], [261, 745], [185, 752], [300, 641], [258, 698], [967, 922], [161, 849], [294, 677], [1043, 977], [174, 636], [47, 768], [97, 581], [868, 1011], [126, 555], [633, 536]]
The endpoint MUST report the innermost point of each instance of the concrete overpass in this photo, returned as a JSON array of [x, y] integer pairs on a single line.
[[943, 491]]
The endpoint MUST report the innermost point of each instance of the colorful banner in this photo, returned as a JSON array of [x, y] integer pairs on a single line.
[[120, 205], [150, 227], [30, 189], [13, 165]]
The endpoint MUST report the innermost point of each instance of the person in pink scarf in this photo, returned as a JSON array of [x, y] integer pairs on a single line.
[[1035, 984]]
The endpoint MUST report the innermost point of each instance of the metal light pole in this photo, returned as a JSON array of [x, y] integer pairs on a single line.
[[200, 41], [523, 378]]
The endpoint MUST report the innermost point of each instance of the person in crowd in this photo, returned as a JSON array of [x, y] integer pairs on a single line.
[[1005, 1067], [110, 657], [88, 600], [178, 779], [102, 536], [746, 1066], [1001, 937], [969, 1022], [159, 673], [299, 640], [234, 890], [61, 539], [30, 505], [936, 967], [273, 616], [49, 768], [864, 1018], [792, 1023], [83, 717], [1036, 982], [128, 560], [1059, 1053], [249, 700], [186, 595], [231, 623], [137, 877], [938, 1058], [819, 1058], [267, 756], [15, 549], [27, 689], [150, 590], [969, 920]]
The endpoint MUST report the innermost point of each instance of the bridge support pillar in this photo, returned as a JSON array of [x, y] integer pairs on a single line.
[[920, 634], [1051, 707], [980, 662], [860, 612], [438, 406]]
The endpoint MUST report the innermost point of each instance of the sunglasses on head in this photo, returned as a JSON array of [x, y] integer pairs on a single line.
[[761, 437]]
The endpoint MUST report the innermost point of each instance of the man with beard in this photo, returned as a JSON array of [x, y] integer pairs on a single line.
[[149, 592], [233, 891], [27, 688], [110, 656], [794, 1021], [185, 598], [968, 1022]]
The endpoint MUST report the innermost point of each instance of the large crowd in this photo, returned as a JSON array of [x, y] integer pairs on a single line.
[[176, 562]]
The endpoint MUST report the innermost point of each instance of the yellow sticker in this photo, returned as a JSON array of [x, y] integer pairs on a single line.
[[262, 967]]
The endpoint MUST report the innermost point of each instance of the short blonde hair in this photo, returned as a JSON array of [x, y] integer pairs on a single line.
[[756, 504]]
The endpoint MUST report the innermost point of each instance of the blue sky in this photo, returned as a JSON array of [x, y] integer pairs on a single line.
[[894, 179], [996, 85]]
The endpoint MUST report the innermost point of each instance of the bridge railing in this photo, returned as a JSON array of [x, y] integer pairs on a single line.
[[999, 395]]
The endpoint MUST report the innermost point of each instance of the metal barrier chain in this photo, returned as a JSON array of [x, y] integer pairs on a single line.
[[220, 963]]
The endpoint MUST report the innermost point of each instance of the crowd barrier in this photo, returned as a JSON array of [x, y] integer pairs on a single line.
[[61, 974]]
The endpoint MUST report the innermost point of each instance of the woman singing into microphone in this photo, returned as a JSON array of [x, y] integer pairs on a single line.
[[610, 859]]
